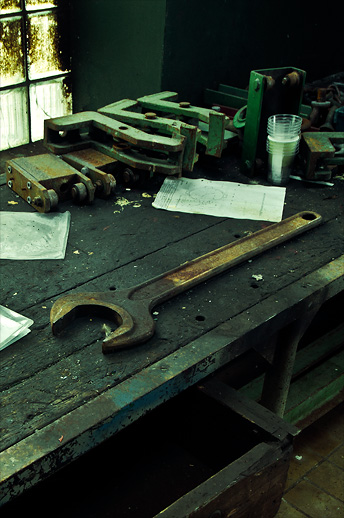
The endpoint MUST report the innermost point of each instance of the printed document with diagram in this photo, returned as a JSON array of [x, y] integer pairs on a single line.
[[223, 199]]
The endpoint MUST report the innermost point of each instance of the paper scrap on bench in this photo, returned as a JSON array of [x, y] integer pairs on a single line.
[[13, 326], [31, 235], [223, 199]]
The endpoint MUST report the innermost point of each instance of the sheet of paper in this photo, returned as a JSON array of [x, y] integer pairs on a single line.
[[223, 199], [13, 326], [32, 235]]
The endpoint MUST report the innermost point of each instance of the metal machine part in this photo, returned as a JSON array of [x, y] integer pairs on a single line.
[[234, 99], [45, 180], [214, 135], [130, 112], [131, 308], [225, 95], [325, 100], [271, 91], [233, 102], [131, 146], [96, 166], [320, 150]]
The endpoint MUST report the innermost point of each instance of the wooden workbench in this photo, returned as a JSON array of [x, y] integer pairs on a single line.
[[60, 397]]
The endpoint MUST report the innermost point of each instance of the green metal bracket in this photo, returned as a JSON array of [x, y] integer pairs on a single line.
[[236, 98], [239, 119], [212, 123], [134, 147], [226, 96], [130, 112], [271, 91]]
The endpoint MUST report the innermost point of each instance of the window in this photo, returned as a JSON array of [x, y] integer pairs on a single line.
[[35, 68]]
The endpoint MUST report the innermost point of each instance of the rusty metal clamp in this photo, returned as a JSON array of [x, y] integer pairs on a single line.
[[212, 123], [129, 145], [130, 112], [45, 180]]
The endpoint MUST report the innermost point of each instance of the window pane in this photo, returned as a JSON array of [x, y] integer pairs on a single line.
[[45, 56], [14, 128], [32, 5], [9, 6], [48, 100], [11, 52]]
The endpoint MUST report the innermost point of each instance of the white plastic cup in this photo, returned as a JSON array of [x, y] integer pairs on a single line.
[[281, 155], [279, 168], [284, 126], [283, 146]]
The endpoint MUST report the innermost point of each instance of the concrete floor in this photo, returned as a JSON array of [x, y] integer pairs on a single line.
[[315, 485]]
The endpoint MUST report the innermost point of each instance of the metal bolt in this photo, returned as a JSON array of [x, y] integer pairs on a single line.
[[38, 201], [129, 176], [112, 183], [184, 104], [9, 169], [270, 82], [291, 79], [256, 84], [28, 185], [28, 199], [79, 192], [150, 115], [98, 185], [85, 170], [10, 184]]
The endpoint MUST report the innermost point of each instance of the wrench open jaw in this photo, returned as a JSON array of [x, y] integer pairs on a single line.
[[131, 308], [133, 318]]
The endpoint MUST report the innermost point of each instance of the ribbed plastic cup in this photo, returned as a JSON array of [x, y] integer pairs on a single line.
[[284, 126], [283, 147], [281, 155], [279, 168]]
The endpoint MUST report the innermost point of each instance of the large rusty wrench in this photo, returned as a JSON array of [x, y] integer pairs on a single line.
[[131, 308]]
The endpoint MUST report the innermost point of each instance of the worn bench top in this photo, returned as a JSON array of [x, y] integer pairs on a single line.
[[61, 396]]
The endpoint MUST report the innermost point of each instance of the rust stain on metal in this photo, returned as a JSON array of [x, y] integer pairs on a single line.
[[93, 157], [315, 144]]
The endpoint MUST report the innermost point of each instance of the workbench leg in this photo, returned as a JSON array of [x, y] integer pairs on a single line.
[[278, 376]]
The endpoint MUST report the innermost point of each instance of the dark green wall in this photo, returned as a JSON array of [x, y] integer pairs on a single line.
[[129, 48], [221, 41], [117, 50]]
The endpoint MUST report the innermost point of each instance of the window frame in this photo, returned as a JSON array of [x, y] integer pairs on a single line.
[[24, 13]]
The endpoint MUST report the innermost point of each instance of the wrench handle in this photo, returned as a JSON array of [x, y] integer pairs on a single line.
[[191, 273]]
